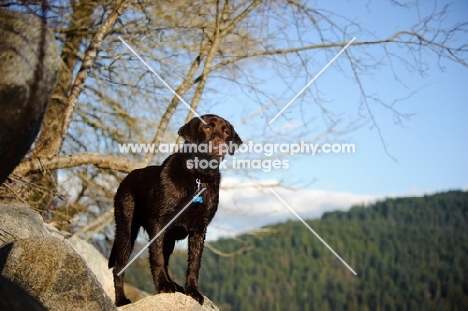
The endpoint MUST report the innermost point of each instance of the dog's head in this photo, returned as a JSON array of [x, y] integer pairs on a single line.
[[216, 130]]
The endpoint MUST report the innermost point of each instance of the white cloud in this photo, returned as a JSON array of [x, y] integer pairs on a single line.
[[246, 206]]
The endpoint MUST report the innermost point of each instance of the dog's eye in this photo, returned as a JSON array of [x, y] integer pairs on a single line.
[[209, 126], [226, 131]]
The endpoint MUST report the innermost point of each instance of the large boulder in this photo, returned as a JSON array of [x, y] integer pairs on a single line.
[[169, 302], [20, 222], [96, 262], [66, 274], [51, 271], [27, 80]]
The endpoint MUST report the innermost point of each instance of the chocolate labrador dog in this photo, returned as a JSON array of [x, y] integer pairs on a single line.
[[151, 197]]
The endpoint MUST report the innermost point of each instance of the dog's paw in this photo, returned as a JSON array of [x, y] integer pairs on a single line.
[[122, 301], [167, 287], [195, 294], [179, 288]]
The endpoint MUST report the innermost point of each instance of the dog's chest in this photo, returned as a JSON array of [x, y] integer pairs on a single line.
[[202, 209]]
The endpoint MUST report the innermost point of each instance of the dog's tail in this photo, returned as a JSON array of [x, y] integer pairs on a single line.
[[112, 259]]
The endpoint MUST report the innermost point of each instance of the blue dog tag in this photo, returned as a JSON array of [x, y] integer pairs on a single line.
[[197, 199]]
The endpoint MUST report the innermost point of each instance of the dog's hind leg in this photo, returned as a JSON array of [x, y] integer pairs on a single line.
[[126, 231]]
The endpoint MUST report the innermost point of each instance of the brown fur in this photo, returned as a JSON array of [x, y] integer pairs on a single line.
[[152, 196]]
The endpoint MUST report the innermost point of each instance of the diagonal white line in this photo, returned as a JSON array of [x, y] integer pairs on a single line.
[[312, 230], [161, 79], [311, 81], [162, 230]]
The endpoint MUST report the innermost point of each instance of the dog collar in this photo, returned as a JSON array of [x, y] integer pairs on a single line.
[[200, 177]]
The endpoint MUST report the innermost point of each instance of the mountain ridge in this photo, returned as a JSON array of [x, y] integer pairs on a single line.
[[409, 254]]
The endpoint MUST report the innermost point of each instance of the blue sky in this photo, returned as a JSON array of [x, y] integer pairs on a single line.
[[428, 153]]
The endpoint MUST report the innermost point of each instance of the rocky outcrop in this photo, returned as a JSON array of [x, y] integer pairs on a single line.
[[29, 65], [20, 222], [133, 293], [96, 262], [38, 258], [66, 274], [51, 271], [169, 302]]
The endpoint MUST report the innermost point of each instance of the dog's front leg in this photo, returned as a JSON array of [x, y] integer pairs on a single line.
[[195, 249], [161, 280]]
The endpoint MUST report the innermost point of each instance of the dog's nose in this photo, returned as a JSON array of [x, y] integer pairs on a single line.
[[218, 141], [219, 146]]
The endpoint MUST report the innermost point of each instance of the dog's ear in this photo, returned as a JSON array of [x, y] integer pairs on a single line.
[[234, 141], [190, 131]]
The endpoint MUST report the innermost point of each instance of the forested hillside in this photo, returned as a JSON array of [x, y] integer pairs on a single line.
[[409, 253]]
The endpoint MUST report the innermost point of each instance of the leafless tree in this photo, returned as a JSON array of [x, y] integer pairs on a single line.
[[106, 96]]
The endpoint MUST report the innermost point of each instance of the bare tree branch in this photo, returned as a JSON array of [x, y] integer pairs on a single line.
[[54, 145], [214, 49], [101, 161]]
